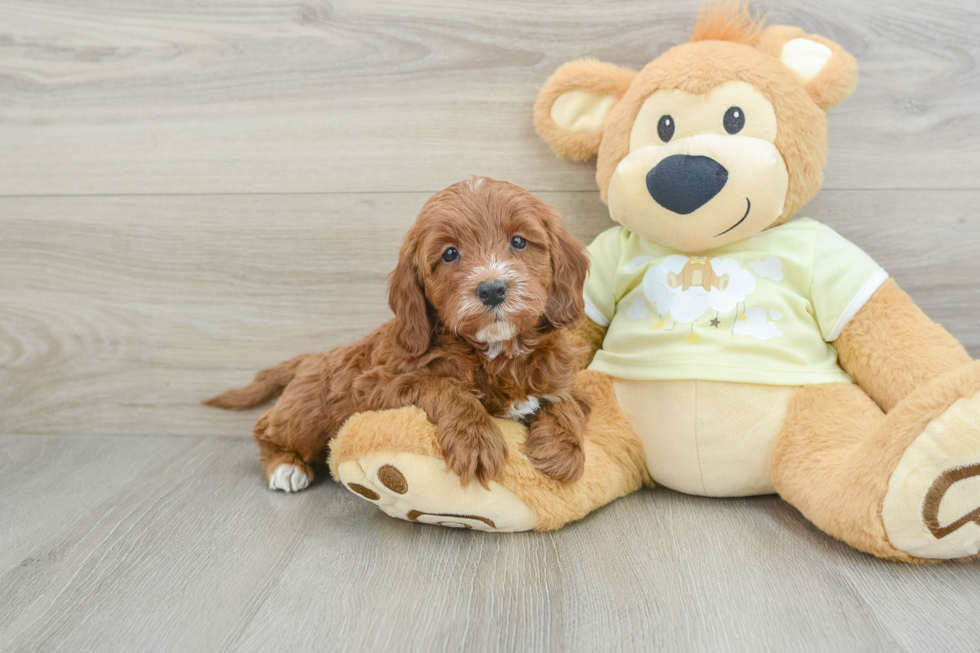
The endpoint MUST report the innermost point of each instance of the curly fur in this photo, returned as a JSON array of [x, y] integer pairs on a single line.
[[445, 352]]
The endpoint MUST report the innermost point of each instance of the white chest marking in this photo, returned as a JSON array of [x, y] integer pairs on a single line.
[[521, 409]]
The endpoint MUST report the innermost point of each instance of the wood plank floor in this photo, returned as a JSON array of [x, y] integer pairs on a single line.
[[156, 543], [194, 189]]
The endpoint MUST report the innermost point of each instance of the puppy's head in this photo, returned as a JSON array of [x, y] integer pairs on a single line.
[[489, 261]]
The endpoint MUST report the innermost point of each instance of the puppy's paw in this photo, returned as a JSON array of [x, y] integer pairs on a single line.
[[289, 478], [553, 451], [476, 452]]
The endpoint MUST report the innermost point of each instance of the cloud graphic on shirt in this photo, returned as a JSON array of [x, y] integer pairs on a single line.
[[771, 268], [636, 263], [775, 315], [757, 326], [638, 311], [689, 305]]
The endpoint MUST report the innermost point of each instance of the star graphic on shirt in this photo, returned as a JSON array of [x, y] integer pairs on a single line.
[[693, 339], [715, 322], [742, 317], [658, 324]]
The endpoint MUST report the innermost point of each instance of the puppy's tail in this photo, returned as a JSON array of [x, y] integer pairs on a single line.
[[268, 384]]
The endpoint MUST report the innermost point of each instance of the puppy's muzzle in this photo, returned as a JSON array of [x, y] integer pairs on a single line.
[[491, 293]]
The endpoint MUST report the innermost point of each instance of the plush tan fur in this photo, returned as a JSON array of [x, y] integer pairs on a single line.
[[729, 20], [840, 443], [587, 75], [835, 82], [614, 463], [404, 429], [699, 67], [822, 437], [891, 348], [838, 447], [837, 451]]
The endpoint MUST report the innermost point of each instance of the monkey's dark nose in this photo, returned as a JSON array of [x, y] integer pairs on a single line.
[[492, 293], [683, 184]]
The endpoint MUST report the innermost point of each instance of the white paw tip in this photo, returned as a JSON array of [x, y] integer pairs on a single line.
[[288, 478]]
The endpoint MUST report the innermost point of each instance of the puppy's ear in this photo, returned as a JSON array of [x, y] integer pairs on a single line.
[[406, 298], [569, 267], [827, 71], [571, 109]]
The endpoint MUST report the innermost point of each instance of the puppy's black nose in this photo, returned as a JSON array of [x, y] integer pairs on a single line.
[[492, 293], [683, 184]]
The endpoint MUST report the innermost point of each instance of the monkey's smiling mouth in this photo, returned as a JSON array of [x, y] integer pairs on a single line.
[[748, 208]]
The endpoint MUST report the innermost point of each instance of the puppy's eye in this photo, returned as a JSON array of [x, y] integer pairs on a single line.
[[734, 120], [518, 243], [450, 255], [665, 128]]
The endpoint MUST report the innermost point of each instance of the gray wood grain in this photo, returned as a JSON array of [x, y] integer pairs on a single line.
[[395, 95], [173, 544], [118, 314], [193, 190]]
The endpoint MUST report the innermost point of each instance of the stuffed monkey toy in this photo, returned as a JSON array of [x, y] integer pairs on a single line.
[[735, 352]]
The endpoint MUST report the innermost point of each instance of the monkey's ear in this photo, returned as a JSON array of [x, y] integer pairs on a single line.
[[574, 103], [827, 71]]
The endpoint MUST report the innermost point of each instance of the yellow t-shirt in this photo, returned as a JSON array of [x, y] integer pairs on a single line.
[[762, 310]]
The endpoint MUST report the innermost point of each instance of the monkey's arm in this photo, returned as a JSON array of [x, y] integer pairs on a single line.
[[891, 347]]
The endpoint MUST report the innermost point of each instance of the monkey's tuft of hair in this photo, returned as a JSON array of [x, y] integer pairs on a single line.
[[728, 20]]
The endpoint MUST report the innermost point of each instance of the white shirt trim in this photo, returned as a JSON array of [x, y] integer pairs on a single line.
[[874, 283], [595, 314]]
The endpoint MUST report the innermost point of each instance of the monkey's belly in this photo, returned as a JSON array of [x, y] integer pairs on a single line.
[[697, 278], [706, 437]]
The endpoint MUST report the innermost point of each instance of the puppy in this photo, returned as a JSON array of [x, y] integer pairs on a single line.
[[487, 285]]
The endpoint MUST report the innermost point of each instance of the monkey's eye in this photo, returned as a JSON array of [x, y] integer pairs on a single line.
[[450, 255], [734, 120], [518, 243], [665, 128]]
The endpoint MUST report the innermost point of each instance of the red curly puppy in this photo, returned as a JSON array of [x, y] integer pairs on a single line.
[[488, 284]]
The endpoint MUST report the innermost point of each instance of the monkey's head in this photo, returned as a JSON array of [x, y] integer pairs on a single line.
[[710, 143]]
